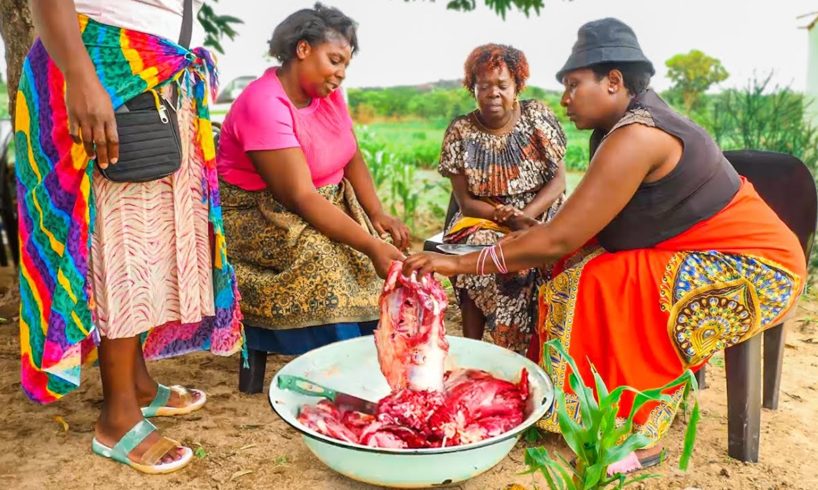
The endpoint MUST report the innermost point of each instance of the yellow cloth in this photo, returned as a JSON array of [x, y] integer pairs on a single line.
[[477, 223]]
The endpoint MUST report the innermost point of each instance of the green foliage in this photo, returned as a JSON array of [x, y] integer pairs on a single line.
[[397, 116], [763, 117], [403, 102], [4, 101], [216, 26], [576, 155], [398, 181], [693, 74], [415, 141], [598, 439], [500, 7]]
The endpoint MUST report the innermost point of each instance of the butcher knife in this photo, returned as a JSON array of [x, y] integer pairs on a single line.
[[309, 388]]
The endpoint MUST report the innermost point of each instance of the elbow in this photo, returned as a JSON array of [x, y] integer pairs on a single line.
[[295, 202], [467, 208], [550, 247], [557, 247]]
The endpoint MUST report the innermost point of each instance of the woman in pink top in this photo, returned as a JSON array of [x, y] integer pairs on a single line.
[[309, 236]]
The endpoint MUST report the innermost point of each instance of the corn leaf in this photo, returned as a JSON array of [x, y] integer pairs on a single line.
[[631, 444], [601, 389], [690, 435], [567, 478], [568, 465], [537, 459], [587, 404], [638, 478], [593, 475], [570, 430]]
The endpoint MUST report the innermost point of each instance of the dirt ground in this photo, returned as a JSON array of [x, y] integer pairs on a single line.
[[241, 443]]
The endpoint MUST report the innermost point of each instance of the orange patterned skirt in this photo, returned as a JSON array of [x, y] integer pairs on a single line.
[[643, 316]]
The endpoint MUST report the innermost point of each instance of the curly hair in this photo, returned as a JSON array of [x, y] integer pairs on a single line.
[[314, 26], [492, 56]]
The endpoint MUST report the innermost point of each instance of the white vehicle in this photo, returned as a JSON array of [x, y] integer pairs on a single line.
[[227, 95]]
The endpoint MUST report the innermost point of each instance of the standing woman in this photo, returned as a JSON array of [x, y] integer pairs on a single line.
[[120, 270], [505, 161]]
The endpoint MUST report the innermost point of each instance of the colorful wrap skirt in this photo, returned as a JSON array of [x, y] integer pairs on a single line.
[[117, 260]]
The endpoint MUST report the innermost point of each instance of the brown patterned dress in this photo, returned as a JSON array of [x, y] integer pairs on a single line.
[[510, 168]]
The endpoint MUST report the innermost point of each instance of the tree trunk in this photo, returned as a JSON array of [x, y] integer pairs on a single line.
[[17, 31]]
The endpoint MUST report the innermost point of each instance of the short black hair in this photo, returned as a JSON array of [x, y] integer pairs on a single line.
[[635, 75], [314, 26]]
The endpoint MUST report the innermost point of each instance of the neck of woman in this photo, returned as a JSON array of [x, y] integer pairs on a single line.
[[499, 123], [289, 81], [620, 108]]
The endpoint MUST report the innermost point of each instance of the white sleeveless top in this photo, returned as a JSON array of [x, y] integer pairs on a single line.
[[158, 17]]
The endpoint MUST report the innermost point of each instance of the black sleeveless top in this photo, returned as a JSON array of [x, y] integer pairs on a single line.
[[701, 184]]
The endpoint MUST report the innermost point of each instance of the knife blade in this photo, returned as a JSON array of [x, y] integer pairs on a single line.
[[310, 388]]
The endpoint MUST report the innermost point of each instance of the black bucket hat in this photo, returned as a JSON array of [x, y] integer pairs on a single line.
[[604, 41]]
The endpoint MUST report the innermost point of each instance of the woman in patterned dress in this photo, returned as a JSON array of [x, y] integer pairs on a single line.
[[125, 270], [504, 157], [662, 256], [305, 224]]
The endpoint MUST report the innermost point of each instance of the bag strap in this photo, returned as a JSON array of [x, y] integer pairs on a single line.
[[187, 24]]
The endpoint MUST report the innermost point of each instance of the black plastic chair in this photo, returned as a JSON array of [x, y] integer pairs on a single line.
[[787, 186]]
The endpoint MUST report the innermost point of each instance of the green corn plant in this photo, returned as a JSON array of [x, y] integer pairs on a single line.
[[405, 192], [597, 440], [377, 158]]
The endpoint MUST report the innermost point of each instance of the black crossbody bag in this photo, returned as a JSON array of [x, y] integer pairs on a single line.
[[150, 147]]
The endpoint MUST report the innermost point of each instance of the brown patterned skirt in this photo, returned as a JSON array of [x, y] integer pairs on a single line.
[[289, 274]]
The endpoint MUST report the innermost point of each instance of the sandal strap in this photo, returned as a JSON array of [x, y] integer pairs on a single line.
[[159, 401], [130, 440], [158, 450]]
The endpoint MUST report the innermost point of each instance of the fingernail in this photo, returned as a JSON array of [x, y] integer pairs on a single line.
[[114, 160]]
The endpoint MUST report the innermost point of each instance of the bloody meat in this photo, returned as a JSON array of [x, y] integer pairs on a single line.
[[427, 406]]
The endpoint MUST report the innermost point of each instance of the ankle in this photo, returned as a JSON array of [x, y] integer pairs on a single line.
[[114, 414], [146, 389]]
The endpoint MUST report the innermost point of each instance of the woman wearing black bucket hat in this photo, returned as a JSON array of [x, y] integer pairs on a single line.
[[662, 256]]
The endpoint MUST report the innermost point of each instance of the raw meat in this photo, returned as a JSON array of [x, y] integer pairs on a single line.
[[474, 406], [411, 338], [427, 407], [478, 406], [326, 418]]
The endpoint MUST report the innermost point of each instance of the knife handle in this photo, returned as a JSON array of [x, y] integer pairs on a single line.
[[304, 387]]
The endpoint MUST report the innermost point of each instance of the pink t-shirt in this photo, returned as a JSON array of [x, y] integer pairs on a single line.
[[263, 118]]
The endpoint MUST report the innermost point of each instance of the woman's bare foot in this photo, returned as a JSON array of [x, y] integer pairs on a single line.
[[146, 386], [110, 428], [147, 392], [636, 460]]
